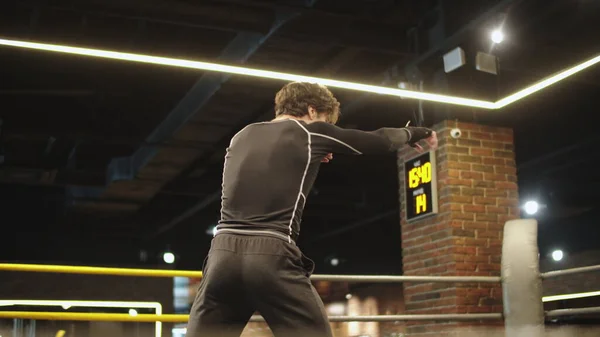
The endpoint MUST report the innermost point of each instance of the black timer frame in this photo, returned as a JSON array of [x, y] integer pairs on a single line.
[[429, 188]]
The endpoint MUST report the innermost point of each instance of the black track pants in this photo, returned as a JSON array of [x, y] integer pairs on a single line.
[[245, 274]]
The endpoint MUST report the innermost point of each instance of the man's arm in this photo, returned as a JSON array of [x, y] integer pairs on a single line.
[[331, 138]]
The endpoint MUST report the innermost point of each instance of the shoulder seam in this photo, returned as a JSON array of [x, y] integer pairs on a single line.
[[237, 133], [300, 192], [336, 140]]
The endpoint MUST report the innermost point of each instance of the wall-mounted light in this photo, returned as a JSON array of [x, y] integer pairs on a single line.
[[557, 255], [497, 36], [531, 207], [169, 257]]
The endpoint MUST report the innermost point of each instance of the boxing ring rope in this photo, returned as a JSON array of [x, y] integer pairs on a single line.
[[84, 270], [412, 279], [576, 311], [197, 274], [180, 318], [557, 273], [521, 285]]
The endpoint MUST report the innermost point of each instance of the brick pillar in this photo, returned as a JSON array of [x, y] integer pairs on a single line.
[[477, 194]]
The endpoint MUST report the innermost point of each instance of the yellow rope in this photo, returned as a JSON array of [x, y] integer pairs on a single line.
[[99, 270], [78, 316]]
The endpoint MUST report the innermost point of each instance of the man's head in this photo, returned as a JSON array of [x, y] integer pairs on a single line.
[[307, 101]]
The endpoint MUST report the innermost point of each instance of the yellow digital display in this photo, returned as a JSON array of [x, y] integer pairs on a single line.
[[420, 191], [419, 175], [421, 203]]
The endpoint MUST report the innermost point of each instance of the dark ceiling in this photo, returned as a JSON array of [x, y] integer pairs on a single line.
[[106, 159]]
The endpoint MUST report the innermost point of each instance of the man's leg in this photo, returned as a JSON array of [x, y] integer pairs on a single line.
[[285, 297], [220, 307]]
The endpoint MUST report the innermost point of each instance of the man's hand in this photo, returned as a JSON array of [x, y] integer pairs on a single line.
[[417, 134], [431, 141], [327, 158]]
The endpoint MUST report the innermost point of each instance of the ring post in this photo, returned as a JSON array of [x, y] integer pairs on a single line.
[[522, 284]]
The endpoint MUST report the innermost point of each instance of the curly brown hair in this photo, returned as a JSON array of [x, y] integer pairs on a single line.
[[295, 98]]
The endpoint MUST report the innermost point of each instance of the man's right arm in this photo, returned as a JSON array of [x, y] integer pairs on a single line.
[[331, 138]]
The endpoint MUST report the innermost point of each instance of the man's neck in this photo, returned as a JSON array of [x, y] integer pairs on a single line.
[[284, 117]]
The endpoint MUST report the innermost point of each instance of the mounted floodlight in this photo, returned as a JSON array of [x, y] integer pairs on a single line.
[[487, 63], [169, 257], [531, 207], [454, 59], [497, 36], [557, 255]]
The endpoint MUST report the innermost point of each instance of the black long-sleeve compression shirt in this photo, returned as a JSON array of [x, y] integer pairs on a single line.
[[270, 167]]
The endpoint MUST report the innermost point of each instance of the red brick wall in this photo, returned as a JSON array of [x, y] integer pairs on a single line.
[[477, 193]]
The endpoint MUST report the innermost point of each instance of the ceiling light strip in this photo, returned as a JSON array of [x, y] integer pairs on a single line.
[[250, 72], [292, 77], [545, 83], [570, 296]]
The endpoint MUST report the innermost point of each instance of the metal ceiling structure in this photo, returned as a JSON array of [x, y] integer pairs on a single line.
[[108, 159]]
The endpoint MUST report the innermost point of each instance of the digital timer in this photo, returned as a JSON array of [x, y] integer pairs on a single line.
[[421, 191]]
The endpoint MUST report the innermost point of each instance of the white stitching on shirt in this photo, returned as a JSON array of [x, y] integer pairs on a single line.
[[336, 140], [303, 175]]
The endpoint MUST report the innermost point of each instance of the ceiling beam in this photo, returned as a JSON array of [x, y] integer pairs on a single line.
[[384, 38], [81, 138], [222, 17], [313, 12], [27, 93], [237, 51]]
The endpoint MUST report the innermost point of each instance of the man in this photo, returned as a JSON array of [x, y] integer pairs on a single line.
[[270, 167]]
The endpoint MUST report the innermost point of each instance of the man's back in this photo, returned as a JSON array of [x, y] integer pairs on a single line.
[[268, 171]]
